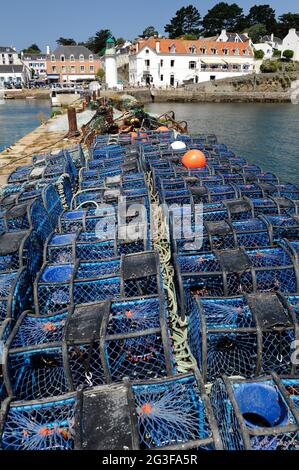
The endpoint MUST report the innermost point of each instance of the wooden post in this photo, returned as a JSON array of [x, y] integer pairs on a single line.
[[72, 118], [94, 96]]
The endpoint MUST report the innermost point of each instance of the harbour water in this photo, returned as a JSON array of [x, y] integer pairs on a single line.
[[18, 117], [265, 134]]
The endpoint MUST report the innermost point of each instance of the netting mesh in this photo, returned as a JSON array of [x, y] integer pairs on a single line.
[[37, 374], [45, 426], [35, 330], [170, 413]]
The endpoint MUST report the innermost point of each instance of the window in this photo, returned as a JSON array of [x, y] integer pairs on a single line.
[[53, 58], [161, 78], [53, 68], [147, 62], [236, 51], [63, 69], [172, 63], [172, 49], [73, 69], [81, 58], [213, 51], [91, 68], [72, 58], [161, 62], [62, 58], [236, 67], [192, 65], [82, 68], [192, 49], [147, 51], [91, 58], [225, 51]]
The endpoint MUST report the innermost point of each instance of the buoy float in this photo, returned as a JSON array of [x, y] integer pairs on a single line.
[[194, 159], [178, 145], [133, 137]]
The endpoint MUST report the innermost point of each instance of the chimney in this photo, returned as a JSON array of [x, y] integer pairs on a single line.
[[272, 37], [137, 46], [48, 50], [158, 46]]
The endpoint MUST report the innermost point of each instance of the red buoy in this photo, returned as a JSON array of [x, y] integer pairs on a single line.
[[194, 159]]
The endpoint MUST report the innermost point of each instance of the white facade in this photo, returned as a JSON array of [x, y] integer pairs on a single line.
[[36, 63], [9, 56], [291, 42], [153, 67], [266, 48]]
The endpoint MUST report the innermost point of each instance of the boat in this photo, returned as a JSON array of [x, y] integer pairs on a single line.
[[65, 94], [148, 304]]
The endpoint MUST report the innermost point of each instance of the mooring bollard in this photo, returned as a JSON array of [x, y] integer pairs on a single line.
[[72, 119]]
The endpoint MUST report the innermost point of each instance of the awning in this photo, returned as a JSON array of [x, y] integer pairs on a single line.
[[216, 61], [234, 60]]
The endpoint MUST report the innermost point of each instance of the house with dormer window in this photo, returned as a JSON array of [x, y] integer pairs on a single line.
[[172, 62]]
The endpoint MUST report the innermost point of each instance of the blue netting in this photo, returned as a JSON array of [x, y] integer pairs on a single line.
[[42, 426], [171, 413]]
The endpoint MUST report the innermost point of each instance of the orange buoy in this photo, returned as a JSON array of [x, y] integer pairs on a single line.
[[194, 159], [133, 137], [162, 128]]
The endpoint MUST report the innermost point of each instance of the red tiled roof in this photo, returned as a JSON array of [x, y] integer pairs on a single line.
[[183, 46]]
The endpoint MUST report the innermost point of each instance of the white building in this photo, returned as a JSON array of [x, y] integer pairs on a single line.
[[11, 68], [36, 63], [171, 62], [291, 42], [226, 36], [266, 48], [273, 41]]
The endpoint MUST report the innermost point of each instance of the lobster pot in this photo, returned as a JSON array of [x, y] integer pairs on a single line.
[[231, 178], [15, 293], [249, 190], [107, 341], [5, 329], [275, 206], [291, 386], [221, 235], [41, 425], [242, 336], [263, 177], [52, 203], [20, 175], [33, 358], [283, 226], [234, 272], [131, 275], [18, 249], [287, 190], [97, 245], [174, 413], [255, 414]]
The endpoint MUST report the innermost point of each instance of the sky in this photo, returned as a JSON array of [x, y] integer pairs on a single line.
[[36, 21]]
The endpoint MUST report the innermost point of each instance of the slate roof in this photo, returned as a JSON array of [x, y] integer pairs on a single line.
[[76, 51], [7, 49], [11, 68]]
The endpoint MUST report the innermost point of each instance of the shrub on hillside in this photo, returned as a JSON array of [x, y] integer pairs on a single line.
[[269, 66], [288, 54]]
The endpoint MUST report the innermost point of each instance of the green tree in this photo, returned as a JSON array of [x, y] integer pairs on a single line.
[[259, 54], [101, 75], [288, 54], [120, 41], [223, 16], [66, 42], [262, 14], [269, 66], [33, 49], [187, 20], [149, 32], [97, 43], [286, 22], [256, 31]]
